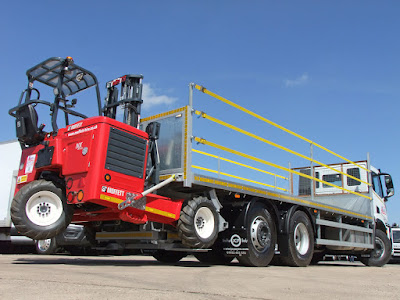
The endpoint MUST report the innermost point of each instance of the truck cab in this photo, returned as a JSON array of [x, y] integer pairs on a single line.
[[375, 184], [379, 181]]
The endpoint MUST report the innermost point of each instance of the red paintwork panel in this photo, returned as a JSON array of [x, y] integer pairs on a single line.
[[79, 156]]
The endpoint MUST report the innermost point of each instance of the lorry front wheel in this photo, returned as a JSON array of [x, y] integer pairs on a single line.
[[39, 210], [381, 254], [299, 247], [261, 237], [198, 223]]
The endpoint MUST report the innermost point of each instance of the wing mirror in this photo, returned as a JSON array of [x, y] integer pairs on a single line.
[[389, 186]]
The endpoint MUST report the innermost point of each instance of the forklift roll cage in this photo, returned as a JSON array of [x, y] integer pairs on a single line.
[[67, 79]]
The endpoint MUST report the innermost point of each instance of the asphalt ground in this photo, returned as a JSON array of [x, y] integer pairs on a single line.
[[142, 277]]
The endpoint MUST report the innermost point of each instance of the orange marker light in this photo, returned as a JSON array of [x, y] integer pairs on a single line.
[[107, 177], [80, 196]]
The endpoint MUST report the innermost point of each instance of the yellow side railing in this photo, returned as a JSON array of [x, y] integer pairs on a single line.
[[237, 129]]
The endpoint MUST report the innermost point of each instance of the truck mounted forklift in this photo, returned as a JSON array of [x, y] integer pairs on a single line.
[[97, 169]]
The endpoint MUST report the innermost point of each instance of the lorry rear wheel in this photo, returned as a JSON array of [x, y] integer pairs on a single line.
[[261, 237], [381, 253], [169, 257], [39, 210], [299, 249], [47, 246], [198, 223]]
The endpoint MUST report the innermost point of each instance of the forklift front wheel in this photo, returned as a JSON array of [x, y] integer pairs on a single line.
[[198, 223], [39, 210]]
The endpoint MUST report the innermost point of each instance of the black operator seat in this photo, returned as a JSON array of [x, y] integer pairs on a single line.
[[26, 121]]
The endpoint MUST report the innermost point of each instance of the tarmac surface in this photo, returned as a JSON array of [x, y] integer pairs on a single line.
[[142, 277]]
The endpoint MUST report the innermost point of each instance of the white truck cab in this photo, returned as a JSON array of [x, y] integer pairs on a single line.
[[345, 175], [378, 193]]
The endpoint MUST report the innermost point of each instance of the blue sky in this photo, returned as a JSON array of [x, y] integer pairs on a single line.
[[327, 70]]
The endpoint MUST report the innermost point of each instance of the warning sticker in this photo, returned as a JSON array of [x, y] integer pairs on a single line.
[[30, 162], [22, 179]]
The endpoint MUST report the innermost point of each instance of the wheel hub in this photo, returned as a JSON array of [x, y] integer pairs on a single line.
[[301, 238], [260, 234], [44, 208], [200, 223], [44, 245], [379, 248], [204, 222]]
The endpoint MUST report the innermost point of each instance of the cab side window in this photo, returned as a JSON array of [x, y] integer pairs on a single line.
[[355, 172], [376, 183]]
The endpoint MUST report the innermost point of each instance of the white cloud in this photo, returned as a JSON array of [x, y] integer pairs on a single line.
[[151, 98], [303, 79]]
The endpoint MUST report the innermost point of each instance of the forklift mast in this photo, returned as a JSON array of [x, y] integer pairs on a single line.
[[130, 98]]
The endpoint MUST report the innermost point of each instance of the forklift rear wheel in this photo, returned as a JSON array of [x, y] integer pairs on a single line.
[[39, 210], [169, 257], [261, 236], [198, 223], [46, 247]]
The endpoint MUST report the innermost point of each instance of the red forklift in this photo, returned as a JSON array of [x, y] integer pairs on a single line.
[[97, 169]]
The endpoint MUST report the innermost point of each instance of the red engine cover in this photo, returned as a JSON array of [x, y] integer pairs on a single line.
[[104, 162]]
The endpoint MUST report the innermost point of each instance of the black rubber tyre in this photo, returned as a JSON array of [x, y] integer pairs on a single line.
[[39, 210], [198, 223], [261, 236], [169, 257], [46, 247], [299, 249], [382, 253]]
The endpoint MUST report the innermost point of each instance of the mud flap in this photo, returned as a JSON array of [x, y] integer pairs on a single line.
[[234, 243]]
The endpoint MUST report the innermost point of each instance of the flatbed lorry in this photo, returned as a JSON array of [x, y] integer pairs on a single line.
[[141, 182]]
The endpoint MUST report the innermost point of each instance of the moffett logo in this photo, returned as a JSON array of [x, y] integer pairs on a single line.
[[75, 126], [112, 191]]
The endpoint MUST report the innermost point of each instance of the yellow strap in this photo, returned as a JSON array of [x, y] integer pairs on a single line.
[[204, 90], [238, 163], [205, 142], [208, 117], [237, 177]]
